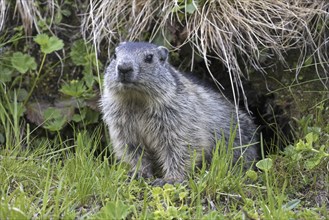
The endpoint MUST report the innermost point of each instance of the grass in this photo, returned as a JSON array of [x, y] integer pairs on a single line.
[[43, 178]]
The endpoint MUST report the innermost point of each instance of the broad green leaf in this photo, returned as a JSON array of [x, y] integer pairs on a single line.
[[114, 210], [265, 164], [79, 52], [5, 74], [49, 44], [91, 116], [79, 117], [42, 39], [87, 115], [54, 120], [75, 88], [23, 62]]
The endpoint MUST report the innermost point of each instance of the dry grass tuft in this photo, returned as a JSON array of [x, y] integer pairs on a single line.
[[29, 13], [252, 29], [2, 13], [118, 20]]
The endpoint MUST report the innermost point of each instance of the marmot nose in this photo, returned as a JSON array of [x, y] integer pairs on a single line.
[[125, 68]]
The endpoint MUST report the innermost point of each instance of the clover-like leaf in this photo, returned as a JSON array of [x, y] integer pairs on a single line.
[[54, 118], [75, 88], [265, 164], [23, 62], [49, 44]]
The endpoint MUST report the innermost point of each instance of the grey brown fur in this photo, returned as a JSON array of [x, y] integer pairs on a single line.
[[156, 113]]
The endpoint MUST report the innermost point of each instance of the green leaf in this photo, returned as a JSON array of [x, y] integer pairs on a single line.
[[301, 145], [75, 88], [66, 12], [23, 62], [21, 94], [314, 161], [182, 195], [79, 52], [311, 138], [54, 120], [157, 191], [5, 74], [79, 117], [49, 44], [88, 77], [91, 116], [252, 175], [58, 17], [87, 115], [265, 164], [114, 210], [42, 40], [213, 215]]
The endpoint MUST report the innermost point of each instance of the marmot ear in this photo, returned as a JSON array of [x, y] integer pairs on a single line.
[[163, 53]]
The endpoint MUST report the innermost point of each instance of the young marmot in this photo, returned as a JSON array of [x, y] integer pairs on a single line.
[[159, 116]]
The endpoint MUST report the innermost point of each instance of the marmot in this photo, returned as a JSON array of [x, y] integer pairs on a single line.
[[159, 116]]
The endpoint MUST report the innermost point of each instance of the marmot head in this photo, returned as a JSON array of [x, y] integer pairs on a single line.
[[138, 66]]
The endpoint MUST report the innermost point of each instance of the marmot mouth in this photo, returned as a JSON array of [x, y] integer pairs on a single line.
[[125, 85]]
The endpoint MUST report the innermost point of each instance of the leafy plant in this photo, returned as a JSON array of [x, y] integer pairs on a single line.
[[83, 55], [54, 119], [265, 164], [47, 45], [75, 89], [23, 62], [114, 210], [304, 150]]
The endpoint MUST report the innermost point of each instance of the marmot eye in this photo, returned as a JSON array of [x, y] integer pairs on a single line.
[[148, 58]]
